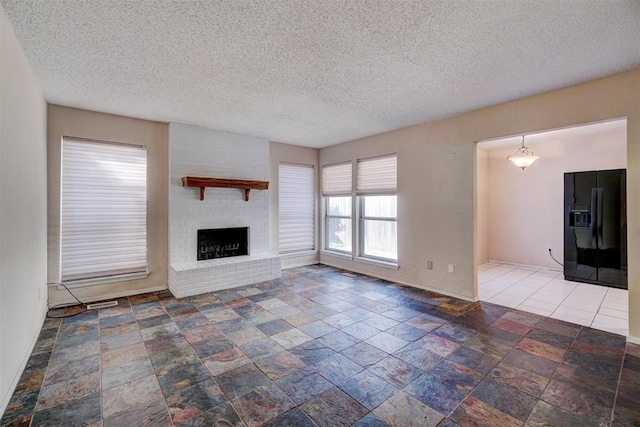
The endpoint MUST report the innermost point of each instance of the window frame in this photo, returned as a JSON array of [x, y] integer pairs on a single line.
[[328, 216], [362, 218]]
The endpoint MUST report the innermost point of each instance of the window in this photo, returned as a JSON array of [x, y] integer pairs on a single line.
[[376, 186], [103, 218], [296, 208], [337, 190]]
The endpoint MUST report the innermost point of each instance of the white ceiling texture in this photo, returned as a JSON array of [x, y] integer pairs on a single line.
[[317, 72]]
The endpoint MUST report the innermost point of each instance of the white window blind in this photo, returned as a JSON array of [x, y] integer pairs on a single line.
[[296, 208], [103, 209], [336, 180], [378, 175]]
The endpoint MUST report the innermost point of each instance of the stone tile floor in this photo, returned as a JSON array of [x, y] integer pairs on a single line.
[[323, 347]]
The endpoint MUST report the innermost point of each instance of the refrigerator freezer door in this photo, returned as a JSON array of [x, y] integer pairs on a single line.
[[580, 249]]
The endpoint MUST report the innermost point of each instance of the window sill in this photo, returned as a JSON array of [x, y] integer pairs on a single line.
[[386, 264], [104, 280], [364, 260]]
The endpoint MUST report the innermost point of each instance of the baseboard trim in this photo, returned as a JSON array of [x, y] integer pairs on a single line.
[[23, 365]]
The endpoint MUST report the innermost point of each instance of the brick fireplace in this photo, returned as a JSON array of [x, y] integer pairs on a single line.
[[197, 151]]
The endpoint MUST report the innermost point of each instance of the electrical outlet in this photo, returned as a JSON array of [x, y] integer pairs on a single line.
[[452, 269], [429, 265]]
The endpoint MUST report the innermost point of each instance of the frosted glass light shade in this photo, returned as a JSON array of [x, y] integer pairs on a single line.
[[523, 158]]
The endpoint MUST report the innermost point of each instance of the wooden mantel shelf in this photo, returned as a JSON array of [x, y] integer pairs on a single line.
[[193, 181]]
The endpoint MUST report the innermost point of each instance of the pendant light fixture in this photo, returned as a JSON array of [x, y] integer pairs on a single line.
[[524, 157]]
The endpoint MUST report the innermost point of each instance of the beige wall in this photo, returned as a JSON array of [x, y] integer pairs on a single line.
[[64, 121], [23, 210], [525, 209], [437, 209], [286, 153]]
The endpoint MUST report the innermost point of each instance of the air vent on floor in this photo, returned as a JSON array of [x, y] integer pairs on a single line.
[[102, 305]]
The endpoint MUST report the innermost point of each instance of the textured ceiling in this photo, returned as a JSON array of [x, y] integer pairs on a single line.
[[319, 72]]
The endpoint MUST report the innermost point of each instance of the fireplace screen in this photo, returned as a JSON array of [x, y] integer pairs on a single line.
[[222, 242]]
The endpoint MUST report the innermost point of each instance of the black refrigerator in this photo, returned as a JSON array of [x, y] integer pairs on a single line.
[[595, 227]]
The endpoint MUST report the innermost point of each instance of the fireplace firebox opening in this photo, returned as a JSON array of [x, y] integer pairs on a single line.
[[223, 242]]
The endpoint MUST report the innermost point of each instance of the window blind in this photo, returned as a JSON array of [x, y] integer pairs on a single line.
[[378, 175], [296, 208], [103, 209], [336, 180]]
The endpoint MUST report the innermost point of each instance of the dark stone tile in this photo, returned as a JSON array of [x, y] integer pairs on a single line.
[[395, 371], [56, 394], [418, 356], [359, 314], [632, 362], [386, 342], [508, 400], [211, 346], [400, 314], [304, 384], [274, 327], [153, 413], [551, 338], [263, 347], [82, 411], [475, 412], [181, 376], [158, 345], [435, 394], [117, 341], [20, 407], [579, 401], [364, 354], [122, 319], [370, 420], [194, 400], [455, 333], [123, 373], [338, 340], [380, 322], [456, 375], [531, 362], [406, 332], [172, 357], [361, 330], [221, 415], [625, 417], [242, 380], [559, 327], [225, 361], [602, 339], [541, 349], [500, 335], [474, 359], [339, 320], [293, 418], [317, 329], [312, 352], [76, 333], [437, 344], [368, 389], [488, 345], [88, 317], [181, 308], [519, 378], [590, 371], [262, 405], [337, 368], [333, 408], [402, 409], [279, 365], [154, 321], [544, 415], [526, 319], [511, 327], [233, 325], [425, 322]]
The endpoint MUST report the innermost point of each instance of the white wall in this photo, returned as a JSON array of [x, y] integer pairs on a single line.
[[525, 208], [202, 152], [23, 210]]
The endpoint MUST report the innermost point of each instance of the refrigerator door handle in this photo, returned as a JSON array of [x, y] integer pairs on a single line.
[[593, 221], [600, 216]]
